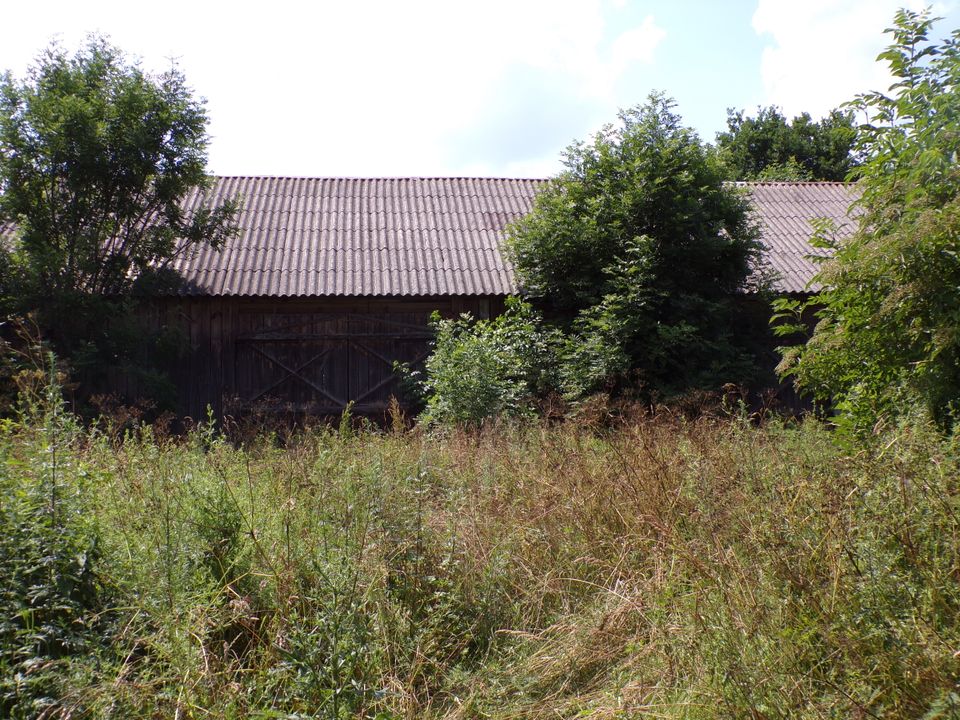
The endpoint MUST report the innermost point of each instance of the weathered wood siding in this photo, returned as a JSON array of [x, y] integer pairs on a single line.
[[298, 355]]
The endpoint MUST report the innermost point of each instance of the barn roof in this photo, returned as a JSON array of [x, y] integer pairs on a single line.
[[434, 236], [786, 212], [362, 237], [302, 237]]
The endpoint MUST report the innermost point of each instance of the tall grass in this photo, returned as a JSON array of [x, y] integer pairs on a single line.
[[666, 568]]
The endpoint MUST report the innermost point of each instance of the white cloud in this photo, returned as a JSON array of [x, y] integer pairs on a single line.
[[636, 45], [823, 52], [553, 86], [375, 87]]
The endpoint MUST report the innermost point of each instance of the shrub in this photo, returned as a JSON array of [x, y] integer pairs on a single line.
[[52, 602], [888, 336], [642, 247], [487, 368]]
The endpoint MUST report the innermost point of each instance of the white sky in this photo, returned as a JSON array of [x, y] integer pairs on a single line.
[[445, 87]]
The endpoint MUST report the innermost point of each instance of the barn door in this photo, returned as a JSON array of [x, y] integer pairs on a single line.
[[320, 362]]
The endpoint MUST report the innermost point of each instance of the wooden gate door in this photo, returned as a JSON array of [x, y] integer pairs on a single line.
[[318, 363]]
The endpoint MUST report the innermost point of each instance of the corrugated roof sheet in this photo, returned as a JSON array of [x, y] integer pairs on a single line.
[[787, 212], [359, 236], [302, 237]]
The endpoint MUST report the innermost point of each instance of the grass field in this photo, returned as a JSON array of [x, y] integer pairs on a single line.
[[662, 568]]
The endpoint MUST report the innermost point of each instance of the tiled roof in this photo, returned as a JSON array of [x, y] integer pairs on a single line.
[[302, 237], [786, 212], [357, 236]]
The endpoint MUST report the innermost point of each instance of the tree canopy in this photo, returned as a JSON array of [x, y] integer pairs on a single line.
[[888, 336], [769, 147], [95, 158], [639, 242]]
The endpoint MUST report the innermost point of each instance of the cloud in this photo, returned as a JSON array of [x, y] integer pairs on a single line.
[[532, 114], [823, 52], [371, 87], [636, 45], [544, 99]]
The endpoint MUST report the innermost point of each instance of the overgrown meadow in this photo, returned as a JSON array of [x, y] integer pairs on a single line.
[[659, 568]]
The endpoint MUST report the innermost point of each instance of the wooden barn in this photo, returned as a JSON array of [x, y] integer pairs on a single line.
[[333, 279]]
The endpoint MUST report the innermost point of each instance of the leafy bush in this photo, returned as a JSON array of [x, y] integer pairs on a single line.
[[487, 368], [95, 125], [888, 336], [619, 340], [52, 602], [639, 249], [641, 246], [96, 157]]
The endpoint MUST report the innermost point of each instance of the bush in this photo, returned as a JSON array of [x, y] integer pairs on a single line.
[[887, 339], [53, 606], [96, 158], [641, 246], [488, 368]]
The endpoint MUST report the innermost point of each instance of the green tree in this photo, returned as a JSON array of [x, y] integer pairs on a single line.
[[888, 336], [95, 158], [643, 248], [768, 147]]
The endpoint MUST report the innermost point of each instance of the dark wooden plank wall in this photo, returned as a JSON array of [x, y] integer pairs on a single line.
[[239, 352]]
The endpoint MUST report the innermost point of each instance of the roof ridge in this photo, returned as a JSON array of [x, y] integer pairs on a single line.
[[376, 177], [498, 178], [792, 182]]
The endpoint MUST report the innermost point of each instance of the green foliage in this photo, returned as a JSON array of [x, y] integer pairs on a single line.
[[95, 156], [704, 569], [768, 147], [52, 602], [640, 243], [486, 368], [518, 571], [687, 344], [888, 336]]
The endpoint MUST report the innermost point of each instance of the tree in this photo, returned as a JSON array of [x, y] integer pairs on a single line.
[[641, 246], [888, 335], [95, 158], [768, 147]]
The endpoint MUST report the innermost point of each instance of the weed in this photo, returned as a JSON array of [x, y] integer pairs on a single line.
[[655, 565]]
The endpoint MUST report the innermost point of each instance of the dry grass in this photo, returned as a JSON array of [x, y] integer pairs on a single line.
[[666, 568]]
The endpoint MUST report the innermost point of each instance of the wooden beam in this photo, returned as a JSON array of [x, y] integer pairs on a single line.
[[388, 380], [296, 374], [373, 353], [302, 379]]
